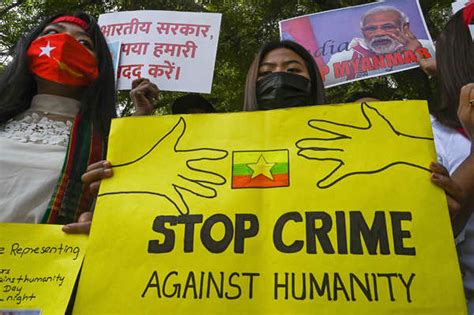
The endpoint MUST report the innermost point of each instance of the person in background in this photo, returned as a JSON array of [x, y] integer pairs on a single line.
[[453, 128], [191, 104], [57, 99], [454, 69]]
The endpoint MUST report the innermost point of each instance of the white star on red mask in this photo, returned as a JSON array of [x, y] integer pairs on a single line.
[[46, 50]]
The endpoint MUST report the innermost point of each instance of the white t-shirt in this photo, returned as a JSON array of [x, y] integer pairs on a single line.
[[452, 147]]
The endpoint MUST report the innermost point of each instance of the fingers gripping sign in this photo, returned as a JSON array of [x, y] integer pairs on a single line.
[[455, 195], [170, 171], [343, 143], [410, 40]]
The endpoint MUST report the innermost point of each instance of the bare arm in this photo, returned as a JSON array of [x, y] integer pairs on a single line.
[[464, 174]]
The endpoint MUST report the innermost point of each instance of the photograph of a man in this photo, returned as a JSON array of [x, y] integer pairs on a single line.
[[386, 30], [376, 39]]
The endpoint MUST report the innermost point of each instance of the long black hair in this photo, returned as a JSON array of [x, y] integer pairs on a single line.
[[317, 88], [455, 62], [18, 85]]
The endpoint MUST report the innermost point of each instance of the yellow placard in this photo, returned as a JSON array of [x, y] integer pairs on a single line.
[[38, 268], [323, 209]]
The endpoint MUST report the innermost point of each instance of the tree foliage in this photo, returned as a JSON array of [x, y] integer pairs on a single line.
[[246, 24]]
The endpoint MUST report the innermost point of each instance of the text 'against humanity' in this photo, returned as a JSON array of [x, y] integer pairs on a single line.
[[335, 286]]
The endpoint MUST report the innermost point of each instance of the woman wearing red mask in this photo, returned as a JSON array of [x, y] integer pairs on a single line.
[[57, 99]]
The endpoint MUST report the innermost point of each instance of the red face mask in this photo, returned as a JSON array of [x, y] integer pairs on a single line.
[[61, 58]]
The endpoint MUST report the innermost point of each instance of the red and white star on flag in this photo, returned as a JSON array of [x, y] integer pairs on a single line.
[[46, 50]]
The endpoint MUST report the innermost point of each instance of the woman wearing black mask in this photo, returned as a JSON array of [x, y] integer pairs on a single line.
[[283, 74]]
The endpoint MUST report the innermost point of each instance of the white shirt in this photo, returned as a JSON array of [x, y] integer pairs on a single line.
[[32, 149], [452, 148]]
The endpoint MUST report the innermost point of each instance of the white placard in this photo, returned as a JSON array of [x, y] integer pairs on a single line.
[[458, 5], [175, 50], [115, 47]]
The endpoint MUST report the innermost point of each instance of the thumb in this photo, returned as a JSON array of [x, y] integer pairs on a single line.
[[174, 135], [373, 116]]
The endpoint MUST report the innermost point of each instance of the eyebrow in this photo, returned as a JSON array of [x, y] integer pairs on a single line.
[[286, 63]]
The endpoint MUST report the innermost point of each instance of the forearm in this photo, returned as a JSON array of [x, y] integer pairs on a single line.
[[464, 177]]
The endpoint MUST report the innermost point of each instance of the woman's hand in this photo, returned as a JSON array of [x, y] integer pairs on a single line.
[[91, 178], [454, 193], [143, 94], [95, 173], [466, 109], [428, 65], [82, 226]]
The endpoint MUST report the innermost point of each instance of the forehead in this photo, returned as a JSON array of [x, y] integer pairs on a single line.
[[281, 55], [383, 17], [68, 27]]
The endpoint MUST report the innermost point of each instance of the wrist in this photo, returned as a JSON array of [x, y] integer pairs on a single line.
[[142, 112]]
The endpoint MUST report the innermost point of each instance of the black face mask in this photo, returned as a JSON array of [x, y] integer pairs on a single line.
[[283, 89]]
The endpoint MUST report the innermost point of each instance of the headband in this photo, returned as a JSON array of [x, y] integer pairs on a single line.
[[468, 13], [71, 19]]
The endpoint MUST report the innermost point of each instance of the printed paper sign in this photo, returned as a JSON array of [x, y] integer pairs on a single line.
[[38, 268], [365, 41], [175, 50], [327, 208]]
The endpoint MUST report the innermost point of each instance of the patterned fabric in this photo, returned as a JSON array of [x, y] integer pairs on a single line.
[[37, 129], [71, 197]]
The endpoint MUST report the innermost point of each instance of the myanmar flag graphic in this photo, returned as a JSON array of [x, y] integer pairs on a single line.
[[260, 169]]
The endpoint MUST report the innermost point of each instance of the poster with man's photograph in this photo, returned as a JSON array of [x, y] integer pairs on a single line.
[[365, 41]]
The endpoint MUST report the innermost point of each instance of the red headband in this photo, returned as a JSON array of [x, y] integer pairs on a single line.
[[468, 12], [71, 19]]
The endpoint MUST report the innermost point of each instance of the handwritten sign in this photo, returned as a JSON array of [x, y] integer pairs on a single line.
[[326, 208], [364, 41], [176, 50], [38, 267]]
